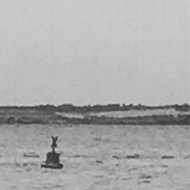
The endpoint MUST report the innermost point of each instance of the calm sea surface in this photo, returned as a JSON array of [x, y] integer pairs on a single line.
[[96, 157]]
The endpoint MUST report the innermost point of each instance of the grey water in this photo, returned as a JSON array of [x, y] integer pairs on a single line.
[[96, 157]]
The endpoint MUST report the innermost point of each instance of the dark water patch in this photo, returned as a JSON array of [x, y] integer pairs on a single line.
[[99, 162], [45, 170], [97, 139], [31, 164], [28, 169], [134, 156], [164, 166], [34, 164], [167, 157], [52, 186], [116, 157], [146, 181], [26, 164], [57, 186], [132, 169], [79, 156], [46, 187], [144, 176], [31, 155], [187, 157]]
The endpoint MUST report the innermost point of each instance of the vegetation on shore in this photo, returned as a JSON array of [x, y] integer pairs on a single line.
[[96, 114]]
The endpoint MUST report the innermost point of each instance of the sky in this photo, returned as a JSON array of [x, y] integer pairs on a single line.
[[94, 52]]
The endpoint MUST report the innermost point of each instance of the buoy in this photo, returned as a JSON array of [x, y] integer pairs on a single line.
[[52, 158]]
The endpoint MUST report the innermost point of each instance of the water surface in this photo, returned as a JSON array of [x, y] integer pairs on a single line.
[[96, 157]]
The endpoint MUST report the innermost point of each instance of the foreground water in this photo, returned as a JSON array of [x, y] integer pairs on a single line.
[[96, 157]]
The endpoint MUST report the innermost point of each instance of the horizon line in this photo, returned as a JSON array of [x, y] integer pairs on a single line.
[[97, 104]]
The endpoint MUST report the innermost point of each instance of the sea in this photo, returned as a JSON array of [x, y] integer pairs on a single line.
[[96, 157]]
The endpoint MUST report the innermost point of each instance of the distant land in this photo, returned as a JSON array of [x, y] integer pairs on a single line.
[[110, 114]]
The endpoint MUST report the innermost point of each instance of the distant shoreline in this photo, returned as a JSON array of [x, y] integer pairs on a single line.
[[109, 114]]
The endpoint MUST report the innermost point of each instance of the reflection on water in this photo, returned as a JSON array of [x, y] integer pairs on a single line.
[[95, 157]]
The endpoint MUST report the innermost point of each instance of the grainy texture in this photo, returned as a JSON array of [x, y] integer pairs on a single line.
[[96, 157]]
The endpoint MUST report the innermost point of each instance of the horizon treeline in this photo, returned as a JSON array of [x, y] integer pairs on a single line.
[[98, 107]]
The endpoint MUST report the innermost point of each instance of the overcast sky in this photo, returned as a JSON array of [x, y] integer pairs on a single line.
[[94, 52]]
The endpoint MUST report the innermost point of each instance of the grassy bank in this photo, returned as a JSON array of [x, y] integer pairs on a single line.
[[105, 114]]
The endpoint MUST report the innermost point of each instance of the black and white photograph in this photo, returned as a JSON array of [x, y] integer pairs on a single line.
[[94, 95]]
